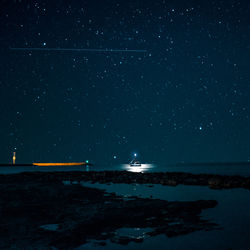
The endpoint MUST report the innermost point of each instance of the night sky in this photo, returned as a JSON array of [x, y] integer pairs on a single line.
[[185, 99]]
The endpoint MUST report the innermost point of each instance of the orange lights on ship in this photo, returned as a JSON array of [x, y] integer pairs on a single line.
[[60, 164]]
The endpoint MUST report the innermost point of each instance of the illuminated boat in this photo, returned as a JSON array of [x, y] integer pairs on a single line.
[[135, 164]]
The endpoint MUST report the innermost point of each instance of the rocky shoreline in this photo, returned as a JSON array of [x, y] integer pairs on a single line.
[[39, 211], [164, 178]]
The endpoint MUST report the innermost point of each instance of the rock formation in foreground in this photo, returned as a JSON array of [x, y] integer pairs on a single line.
[[39, 211]]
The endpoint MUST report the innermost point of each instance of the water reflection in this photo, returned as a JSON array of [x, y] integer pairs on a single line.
[[138, 169]]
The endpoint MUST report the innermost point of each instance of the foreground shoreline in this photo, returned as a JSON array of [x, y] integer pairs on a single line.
[[164, 178], [40, 211]]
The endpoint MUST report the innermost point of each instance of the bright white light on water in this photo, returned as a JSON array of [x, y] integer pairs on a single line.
[[138, 169], [135, 154]]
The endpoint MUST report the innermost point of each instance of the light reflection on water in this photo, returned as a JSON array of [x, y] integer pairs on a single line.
[[231, 214], [242, 170], [138, 169]]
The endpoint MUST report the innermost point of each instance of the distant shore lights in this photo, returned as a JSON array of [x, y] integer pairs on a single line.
[[14, 158]]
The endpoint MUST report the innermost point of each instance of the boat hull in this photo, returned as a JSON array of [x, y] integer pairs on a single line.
[[135, 165]]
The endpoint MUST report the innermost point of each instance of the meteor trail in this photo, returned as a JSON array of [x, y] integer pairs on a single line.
[[81, 50]]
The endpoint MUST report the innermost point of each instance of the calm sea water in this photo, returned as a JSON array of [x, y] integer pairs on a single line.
[[231, 214], [243, 170]]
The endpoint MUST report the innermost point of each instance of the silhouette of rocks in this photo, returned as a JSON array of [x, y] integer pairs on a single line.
[[164, 178], [39, 211]]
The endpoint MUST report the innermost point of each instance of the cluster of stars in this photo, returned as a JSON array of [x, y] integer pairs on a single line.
[[191, 81]]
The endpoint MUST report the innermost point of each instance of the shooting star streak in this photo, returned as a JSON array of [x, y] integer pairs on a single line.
[[81, 50]]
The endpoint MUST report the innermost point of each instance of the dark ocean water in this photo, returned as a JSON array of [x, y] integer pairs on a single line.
[[223, 169]]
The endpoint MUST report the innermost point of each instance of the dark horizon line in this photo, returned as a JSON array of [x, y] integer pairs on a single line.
[[225, 163], [173, 164]]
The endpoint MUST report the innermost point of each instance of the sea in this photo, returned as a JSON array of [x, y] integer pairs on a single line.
[[232, 214], [221, 169]]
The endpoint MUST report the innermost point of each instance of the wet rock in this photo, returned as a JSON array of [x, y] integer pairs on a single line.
[[171, 183], [246, 184], [39, 211], [125, 240], [165, 178], [215, 183]]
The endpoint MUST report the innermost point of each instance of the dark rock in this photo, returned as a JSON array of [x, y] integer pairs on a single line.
[[215, 183], [165, 178], [31, 200]]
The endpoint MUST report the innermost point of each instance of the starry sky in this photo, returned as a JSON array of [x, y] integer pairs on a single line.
[[185, 99]]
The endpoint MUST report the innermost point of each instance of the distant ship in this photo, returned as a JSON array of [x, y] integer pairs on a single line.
[[41, 164], [44, 164], [135, 162]]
